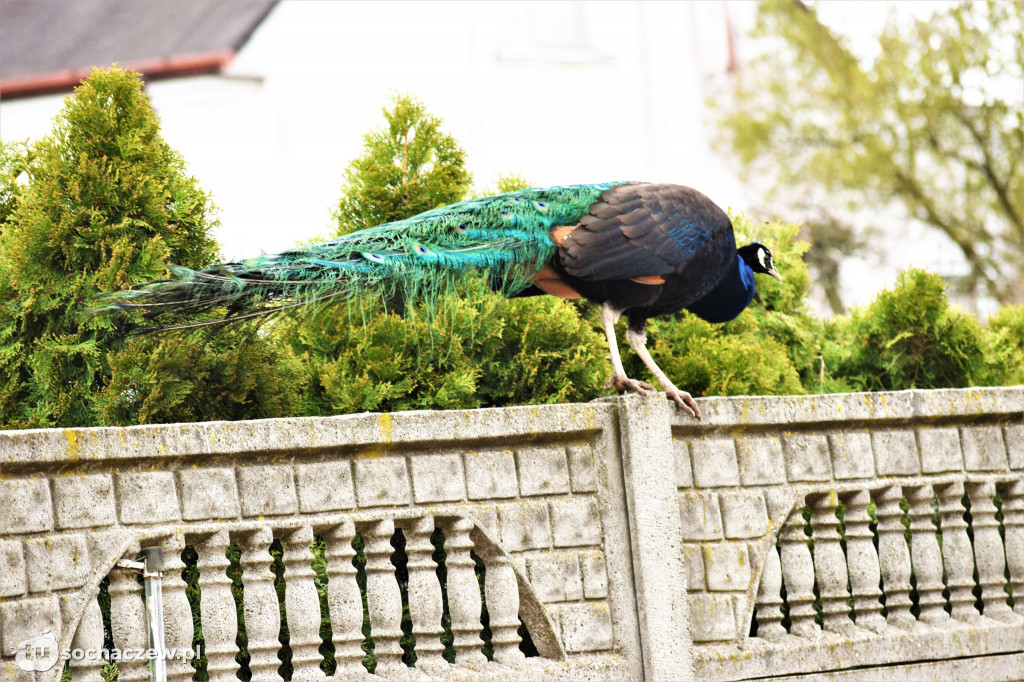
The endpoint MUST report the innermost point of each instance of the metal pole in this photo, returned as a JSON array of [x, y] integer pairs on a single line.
[[153, 558]]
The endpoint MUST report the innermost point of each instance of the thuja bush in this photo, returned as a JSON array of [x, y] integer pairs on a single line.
[[107, 202], [475, 350], [911, 336]]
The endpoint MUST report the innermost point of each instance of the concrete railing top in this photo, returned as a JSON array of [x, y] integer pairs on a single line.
[[77, 445]]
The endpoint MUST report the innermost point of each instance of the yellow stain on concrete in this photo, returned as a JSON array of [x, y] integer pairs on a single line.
[[72, 444], [385, 426]]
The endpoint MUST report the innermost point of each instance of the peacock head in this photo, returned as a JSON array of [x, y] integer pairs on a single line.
[[759, 259]]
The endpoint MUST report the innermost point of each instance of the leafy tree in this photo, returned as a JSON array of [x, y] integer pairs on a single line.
[[931, 125], [409, 166], [108, 203]]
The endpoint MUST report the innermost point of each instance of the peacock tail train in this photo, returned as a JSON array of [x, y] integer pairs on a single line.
[[423, 258]]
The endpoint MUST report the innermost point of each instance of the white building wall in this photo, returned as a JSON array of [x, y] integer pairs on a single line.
[[558, 92]]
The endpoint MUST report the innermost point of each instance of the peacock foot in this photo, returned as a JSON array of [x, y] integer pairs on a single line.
[[622, 383], [684, 400]]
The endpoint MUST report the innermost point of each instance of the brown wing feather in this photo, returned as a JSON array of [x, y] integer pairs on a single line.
[[645, 230]]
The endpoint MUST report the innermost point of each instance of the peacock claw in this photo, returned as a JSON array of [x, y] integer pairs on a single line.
[[624, 383], [685, 402]]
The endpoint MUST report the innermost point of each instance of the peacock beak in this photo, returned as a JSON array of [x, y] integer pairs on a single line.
[[774, 273]]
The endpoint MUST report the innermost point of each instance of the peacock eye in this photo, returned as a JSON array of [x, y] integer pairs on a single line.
[[541, 205], [518, 199], [461, 229], [374, 257], [420, 249]]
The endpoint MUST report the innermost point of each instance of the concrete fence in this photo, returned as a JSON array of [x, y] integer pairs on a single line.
[[848, 537]]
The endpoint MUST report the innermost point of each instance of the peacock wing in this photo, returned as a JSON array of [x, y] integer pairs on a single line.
[[647, 230]]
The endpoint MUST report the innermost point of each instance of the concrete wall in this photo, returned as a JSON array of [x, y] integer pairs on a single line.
[[632, 542]]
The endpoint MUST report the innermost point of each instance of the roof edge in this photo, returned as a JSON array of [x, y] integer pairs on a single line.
[[193, 64]]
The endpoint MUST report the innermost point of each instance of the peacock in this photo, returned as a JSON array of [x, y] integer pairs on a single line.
[[638, 249]]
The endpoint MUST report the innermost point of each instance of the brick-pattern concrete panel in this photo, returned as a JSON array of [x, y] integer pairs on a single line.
[[895, 452], [12, 569], [267, 490], [1014, 438], [575, 522], [84, 501], [712, 617], [524, 526], [700, 515], [744, 515], [693, 556], [57, 563], [382, 481], [27, 619], [147, 497], [437, 478], [26, 506], [325, 486], [727, 566], [543, 470], [940, 450], [984, 449], [556, 577], [208, 494], [852, 456], [714, 462], [684, 472], [807, 457], [760, 460], [595, 575], [582, 475], [585, 627], [491, 474]]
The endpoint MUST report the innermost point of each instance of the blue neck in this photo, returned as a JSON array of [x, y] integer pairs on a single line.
[[729, 297]]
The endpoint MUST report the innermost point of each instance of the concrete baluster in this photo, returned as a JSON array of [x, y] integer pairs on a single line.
[[830, 565], [178, 626], [128, 622], [343, 598], [383, 597], [464, 604], [302, 604], [926, 557], [769, 598], [798, 574], [502, 591], [260, 604], [988, 553], [1013, 524], [862, 561], [89, 639], [956, 553], [217, 606], [425, 602], [894, 558]]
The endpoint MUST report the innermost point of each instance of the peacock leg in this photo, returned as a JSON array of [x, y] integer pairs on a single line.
[[619, 381], [638, 342]]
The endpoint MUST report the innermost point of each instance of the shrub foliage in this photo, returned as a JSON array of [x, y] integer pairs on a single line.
[[108, 202], [104, 202]]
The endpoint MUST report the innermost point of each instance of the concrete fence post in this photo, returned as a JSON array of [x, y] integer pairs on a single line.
[[655, 537]]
